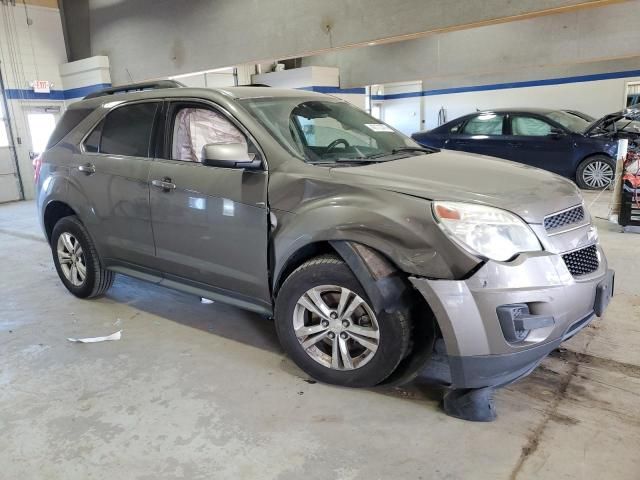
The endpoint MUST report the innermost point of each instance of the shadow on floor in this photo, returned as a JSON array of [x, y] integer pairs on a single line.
[[237, 325]]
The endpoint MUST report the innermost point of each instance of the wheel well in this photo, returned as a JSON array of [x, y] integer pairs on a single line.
[[425, 325], [54, 212], [599, 154], [298, 258]]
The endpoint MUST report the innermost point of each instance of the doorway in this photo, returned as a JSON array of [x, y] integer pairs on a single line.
[[41, 121]]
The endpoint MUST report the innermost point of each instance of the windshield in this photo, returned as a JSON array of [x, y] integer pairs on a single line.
[[569, 121], [328, 131]]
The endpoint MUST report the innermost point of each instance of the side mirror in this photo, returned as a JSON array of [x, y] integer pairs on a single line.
[[556, 132], [229, 155]]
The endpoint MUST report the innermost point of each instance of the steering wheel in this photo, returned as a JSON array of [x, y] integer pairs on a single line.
[[335, 143]]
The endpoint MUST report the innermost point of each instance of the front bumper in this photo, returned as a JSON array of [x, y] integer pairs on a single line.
[[478, 353]]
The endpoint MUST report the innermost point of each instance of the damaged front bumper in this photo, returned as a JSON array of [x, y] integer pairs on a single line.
[[551, 305]]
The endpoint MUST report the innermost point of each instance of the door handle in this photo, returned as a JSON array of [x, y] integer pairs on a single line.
[[87, 168], [164, 184]]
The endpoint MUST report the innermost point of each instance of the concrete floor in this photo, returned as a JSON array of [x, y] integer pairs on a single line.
[[204, 391]]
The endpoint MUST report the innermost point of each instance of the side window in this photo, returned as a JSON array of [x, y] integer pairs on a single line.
[[193, 128], [92, 142], [127, 130], [485, 124], [457, 128], [529, 126]]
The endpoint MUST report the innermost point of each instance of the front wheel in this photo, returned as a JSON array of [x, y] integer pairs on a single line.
[[326, 324], [596, 172]]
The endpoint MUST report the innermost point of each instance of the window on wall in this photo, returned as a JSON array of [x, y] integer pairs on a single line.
[[40, 127], [4, 135], [4, 130]]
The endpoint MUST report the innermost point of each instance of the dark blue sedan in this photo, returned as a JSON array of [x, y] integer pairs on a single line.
[[555, 140]]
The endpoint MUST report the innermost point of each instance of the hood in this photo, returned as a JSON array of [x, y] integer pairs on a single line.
[[631, 114], [526, 191]]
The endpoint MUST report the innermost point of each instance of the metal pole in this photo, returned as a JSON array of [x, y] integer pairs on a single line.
[[12, 144]]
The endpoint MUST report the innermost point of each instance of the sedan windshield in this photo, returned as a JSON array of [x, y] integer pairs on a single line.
[[329, 131], [569, 121]]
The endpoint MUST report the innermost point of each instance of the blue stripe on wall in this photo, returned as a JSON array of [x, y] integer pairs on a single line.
[[323, 89], [24, 94], [503, 86]]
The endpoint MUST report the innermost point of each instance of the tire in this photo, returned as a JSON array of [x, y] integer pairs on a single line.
[[325, 277], [596, 172], [71, 246]]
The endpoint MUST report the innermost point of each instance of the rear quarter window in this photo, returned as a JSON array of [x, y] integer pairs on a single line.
[[70, 120]]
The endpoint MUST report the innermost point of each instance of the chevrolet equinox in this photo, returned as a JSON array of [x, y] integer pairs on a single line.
[[373, 254]]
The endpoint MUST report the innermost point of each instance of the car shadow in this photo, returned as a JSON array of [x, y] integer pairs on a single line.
[[241, 326]]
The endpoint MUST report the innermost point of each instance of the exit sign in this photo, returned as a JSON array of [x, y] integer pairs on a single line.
[[41, 86]]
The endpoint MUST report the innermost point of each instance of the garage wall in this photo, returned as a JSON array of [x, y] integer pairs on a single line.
[[156, 38], [28, 51], [578, 60], [405, 111], [595, 97]]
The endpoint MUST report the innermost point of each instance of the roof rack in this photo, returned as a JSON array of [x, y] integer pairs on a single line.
[[136, 87]]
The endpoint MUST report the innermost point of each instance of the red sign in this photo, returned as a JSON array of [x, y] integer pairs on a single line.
[[41, 86]]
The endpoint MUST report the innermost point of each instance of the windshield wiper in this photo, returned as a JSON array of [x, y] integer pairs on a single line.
[[403, 149]]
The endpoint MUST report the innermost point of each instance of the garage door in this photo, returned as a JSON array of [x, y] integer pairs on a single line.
[[9, 189]]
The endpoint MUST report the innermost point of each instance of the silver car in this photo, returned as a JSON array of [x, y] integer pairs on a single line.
[[375, 256]]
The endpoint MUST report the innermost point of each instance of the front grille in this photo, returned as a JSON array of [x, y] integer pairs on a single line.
[[573, 215], [582, 261]]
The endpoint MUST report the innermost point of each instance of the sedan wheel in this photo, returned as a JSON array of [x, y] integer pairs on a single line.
[[336, 327], [596, 173]]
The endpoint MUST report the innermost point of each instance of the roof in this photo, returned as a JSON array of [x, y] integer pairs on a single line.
[[97, 100], [254, 92], [540, 111]]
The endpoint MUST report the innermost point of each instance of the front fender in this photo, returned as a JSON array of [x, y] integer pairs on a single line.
[[399, 226]]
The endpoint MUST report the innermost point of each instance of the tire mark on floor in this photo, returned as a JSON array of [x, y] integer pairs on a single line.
[[24, 236], [551, 412]]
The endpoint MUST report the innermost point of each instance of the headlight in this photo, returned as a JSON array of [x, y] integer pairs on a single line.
[[486, 231]]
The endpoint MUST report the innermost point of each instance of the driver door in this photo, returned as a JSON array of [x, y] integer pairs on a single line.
[[209, 223]]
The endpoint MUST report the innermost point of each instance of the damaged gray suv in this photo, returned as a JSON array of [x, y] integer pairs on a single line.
[[375, 256]]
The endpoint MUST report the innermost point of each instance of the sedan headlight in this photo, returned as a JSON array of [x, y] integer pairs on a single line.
[[486, 231]]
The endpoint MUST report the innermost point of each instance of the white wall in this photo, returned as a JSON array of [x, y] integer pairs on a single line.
[[217, 78], [405, 114], [28, 53], [313, 78]]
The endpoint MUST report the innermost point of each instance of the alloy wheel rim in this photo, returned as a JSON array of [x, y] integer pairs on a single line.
[[598, 174], [71, 258], [336, 327]]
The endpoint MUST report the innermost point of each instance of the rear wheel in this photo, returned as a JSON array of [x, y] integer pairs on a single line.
[[77, 261], [596, 172], [326, 324]]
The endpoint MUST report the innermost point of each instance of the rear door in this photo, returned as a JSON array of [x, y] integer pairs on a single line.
[[111, 180], [534, 143], [210, 223], [483, 134]]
